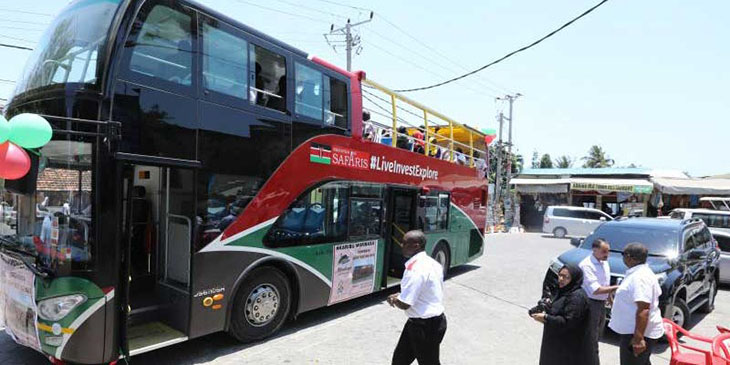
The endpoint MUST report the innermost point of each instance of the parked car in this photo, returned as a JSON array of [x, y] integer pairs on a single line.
[[715, 219], [576, 221], [723, 243], [682, 254]]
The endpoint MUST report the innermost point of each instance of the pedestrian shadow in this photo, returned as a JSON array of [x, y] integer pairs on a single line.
[[211, 347]]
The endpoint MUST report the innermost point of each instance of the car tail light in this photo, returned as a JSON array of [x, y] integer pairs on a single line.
[[547, 219]]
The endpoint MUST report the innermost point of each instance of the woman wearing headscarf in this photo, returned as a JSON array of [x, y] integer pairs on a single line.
[[565, 322]]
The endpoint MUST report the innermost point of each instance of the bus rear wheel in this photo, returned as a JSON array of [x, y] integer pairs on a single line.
[[261, 305]]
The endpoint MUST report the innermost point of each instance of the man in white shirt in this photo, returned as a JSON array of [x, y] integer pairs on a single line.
[[596, 284], [421, 297], [635, 315]]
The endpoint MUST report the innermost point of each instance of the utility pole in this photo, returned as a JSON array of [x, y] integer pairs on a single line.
[[498, 178], [511, 99], [350, 41]]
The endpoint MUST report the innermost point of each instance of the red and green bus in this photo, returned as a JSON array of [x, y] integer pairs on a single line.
[[204, 177]]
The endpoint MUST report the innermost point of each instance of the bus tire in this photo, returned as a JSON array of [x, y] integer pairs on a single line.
[[261, 305], [442, 256]]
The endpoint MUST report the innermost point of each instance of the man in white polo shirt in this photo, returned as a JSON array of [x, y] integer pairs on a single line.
[[596, 284], [421, 297], [635, 315]]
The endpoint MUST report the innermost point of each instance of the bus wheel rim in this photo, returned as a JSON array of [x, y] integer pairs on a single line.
[[262, 305]]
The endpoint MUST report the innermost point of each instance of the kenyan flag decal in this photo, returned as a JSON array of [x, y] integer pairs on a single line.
[[320, 153]]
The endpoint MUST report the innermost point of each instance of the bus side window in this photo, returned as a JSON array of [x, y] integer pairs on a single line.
[[225, 61], [308, 92], [335, 99], [161, 45], [268, 78], [317, 216], [433, 211]]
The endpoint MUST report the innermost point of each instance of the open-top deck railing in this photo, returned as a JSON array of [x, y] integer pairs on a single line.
[[425, 115]]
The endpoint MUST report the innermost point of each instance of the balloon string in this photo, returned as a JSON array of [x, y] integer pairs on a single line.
[[37, 153]]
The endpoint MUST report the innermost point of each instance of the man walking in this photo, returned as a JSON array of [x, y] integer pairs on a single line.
[[596, 280], [635, 315], [421, 297]]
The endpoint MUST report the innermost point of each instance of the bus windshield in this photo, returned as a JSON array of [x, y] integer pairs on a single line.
[[69, 50], [49, 214]]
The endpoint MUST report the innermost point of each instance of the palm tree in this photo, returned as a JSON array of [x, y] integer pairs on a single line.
[[597, 158], [564, 162]]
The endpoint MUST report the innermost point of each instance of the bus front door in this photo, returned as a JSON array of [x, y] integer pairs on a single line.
[[401, 219], [159, 207]]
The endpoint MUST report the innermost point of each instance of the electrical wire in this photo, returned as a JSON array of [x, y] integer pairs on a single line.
[[26, 12], [313, 9], [430, 59], [17, 39], [23, 29], [14, 46], [344, 5], [507, 55], [283, 12], [7, 81], [23, 22], [439, 53]]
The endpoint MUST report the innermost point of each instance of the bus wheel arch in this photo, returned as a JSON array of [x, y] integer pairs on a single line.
[[442, 254], [269, 280]]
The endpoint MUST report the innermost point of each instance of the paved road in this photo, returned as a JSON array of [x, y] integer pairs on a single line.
[[486, 309]]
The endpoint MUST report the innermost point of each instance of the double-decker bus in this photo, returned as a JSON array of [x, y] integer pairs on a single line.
[[203, 177]]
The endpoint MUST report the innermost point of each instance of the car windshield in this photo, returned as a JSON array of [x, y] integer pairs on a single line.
[[49, 212], [660, 241], [70, 50]]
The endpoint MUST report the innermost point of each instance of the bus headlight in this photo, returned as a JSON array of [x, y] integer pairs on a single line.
[[54, 309]]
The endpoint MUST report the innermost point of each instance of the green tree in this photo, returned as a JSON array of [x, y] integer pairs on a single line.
[[597, 158], [546, 162], [564, 162], [535, 160]]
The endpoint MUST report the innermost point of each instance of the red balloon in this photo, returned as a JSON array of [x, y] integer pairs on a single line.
[[489, 138], [14, 161]]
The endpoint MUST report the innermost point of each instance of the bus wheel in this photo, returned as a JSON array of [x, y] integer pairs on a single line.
[[261, 305], [441, 255]]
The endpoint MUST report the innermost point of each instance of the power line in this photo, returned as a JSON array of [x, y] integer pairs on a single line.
[[26, 12], [22, 22], [429, 59], [507, 55], [7, 81], [23, 29], [14, 46], [17, 39], [344, 5], [283, 12], [421, 67], [313, 9], [437, 52]]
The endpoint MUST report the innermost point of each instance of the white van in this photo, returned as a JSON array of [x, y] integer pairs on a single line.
[[575, 221], [717, 220]]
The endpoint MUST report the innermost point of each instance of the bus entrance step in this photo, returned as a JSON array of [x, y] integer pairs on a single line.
[[151, 336]]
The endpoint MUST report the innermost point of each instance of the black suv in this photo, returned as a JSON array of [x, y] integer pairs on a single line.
[[683, 255]]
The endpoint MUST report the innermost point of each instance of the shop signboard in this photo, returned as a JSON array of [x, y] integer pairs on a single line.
[[621, 188]]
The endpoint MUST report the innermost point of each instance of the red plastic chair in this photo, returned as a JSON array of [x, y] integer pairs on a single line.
[[698, 357], [721, 347], [723, 329]]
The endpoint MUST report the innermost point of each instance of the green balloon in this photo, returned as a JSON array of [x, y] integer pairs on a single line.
[[30, 130], [4, 129], [489, 131]]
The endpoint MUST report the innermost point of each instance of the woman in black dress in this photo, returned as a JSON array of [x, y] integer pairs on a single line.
[[565, 322]]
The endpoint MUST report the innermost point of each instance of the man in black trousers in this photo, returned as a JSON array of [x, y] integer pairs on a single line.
[[421, 297]]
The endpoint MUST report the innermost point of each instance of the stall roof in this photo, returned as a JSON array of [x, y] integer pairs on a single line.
[[588, 171], [693, 186], [639, 186]]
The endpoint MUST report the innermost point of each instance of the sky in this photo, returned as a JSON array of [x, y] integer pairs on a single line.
[[646, 80]]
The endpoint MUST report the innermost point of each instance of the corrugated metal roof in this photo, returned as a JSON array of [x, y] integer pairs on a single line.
[[589, 171]]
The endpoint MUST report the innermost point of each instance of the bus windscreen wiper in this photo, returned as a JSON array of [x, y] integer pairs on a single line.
[[23, 257]]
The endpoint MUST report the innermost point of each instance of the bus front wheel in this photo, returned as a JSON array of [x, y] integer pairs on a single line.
[[261, 305]]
